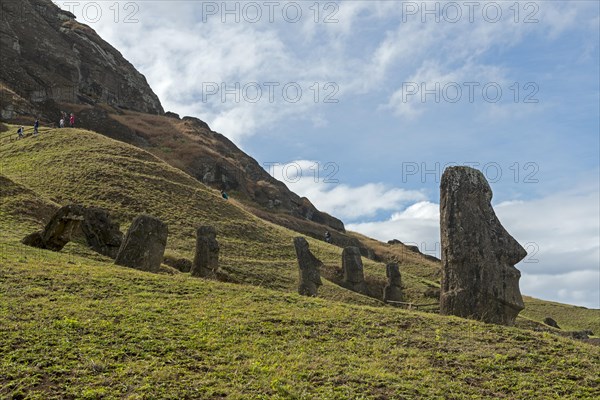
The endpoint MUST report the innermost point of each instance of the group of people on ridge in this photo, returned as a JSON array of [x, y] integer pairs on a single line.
[[36, 124], [21, 130], [63, 119]]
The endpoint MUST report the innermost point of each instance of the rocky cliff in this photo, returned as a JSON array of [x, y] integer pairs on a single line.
[[52, 63], [47, 56]]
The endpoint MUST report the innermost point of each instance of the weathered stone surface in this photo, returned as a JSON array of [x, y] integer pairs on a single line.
[[48, 55], [551, 322], [206, 259], [58, 231], [393, 290], [308, 264], [144, 244], [479, 279], [352, 266], [101, 232]]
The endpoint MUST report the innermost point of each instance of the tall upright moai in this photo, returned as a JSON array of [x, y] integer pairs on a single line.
[[479, 279]]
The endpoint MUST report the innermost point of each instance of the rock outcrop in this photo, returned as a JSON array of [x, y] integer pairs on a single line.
[[393, 290], [58, 231], [308, 264], [551, 322], [101, 232], [144, 244], [48, 56], [352, 266], [479, 279], [206, 259]]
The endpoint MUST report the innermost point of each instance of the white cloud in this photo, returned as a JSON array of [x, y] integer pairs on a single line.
[[317, 181], [417, 224], [579, 288], [179, 46]]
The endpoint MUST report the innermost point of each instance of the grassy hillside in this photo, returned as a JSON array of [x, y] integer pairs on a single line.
[[76, 326], [72, 165], [568, 317]]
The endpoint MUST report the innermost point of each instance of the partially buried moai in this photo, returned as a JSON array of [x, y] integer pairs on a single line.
[[479, 279], [206, 260], [308, 265], [59, 230], [144, 244], [393, 290], [352, 266]]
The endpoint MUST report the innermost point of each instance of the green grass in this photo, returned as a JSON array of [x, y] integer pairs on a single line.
[[78, 328], [568, 317], [75, 326]]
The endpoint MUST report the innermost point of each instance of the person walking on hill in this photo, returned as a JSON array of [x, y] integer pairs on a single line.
[[224, 195], [72, 120], [20, 133], [61, 123], [36, 127], [327, 237]]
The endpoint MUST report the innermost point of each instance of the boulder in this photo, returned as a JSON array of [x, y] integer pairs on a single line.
[[308, 264], [58, 231], [101, 232], [206, 259], [352, 266], [393, 290], [581, 335], [144, 244], [551, 322], [479, 279]]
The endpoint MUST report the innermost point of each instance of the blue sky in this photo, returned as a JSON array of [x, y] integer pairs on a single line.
[[538, 145]]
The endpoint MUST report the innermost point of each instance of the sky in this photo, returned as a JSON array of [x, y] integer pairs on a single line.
[[360, 105]]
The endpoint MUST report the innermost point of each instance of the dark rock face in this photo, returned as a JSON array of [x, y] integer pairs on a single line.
[[101, 232], [551, 322], [393, 290], [308, 264], [58, 230], [206, 259], [479, 279], [144, 244], [352, 266], [99, 120], [48, 55]]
